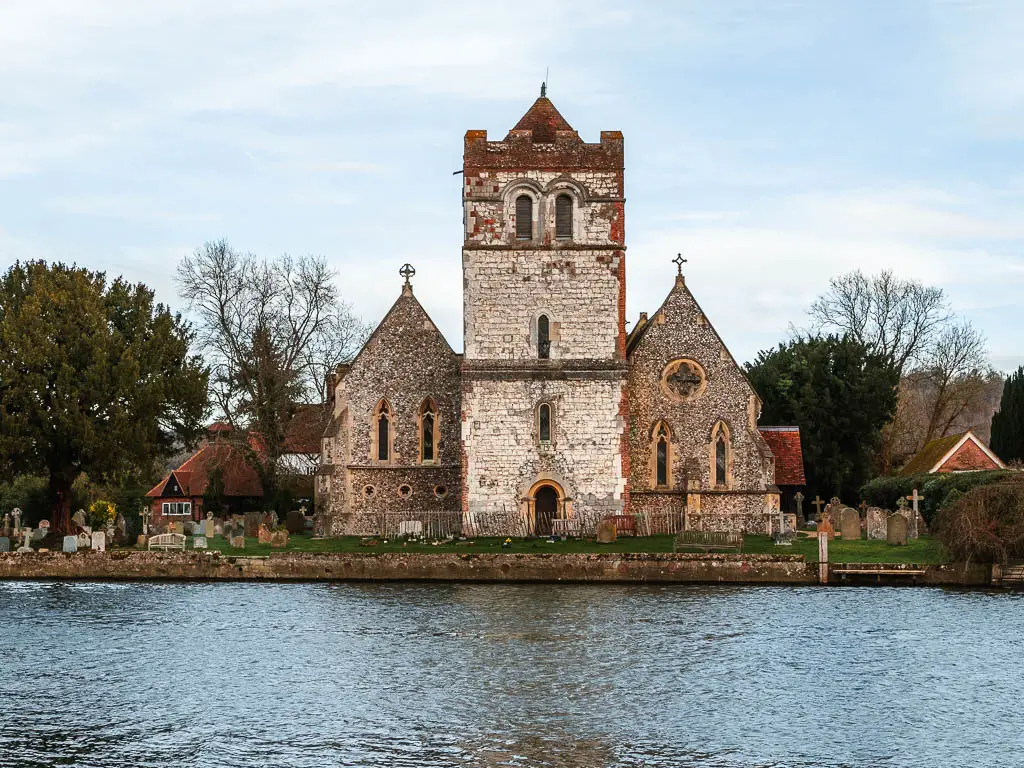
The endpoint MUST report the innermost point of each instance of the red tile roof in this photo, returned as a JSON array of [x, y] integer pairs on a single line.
[[543, 119], [789, 456], [240, 478]]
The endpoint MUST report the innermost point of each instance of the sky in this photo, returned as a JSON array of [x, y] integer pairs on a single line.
[[775, 144]]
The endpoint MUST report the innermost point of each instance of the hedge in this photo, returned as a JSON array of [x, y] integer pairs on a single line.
[[938, 490]]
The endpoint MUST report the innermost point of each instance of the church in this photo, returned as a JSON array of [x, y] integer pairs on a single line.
[[554, 416]]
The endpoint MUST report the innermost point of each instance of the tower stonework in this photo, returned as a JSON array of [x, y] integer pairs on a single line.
[[544, 398]]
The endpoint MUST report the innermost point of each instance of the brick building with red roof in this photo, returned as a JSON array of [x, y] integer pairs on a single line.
[[789, 462]]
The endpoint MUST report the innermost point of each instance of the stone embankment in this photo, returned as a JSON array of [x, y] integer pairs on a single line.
[[583, 568]]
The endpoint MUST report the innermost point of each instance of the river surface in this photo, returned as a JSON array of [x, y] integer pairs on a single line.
[[149, 674]]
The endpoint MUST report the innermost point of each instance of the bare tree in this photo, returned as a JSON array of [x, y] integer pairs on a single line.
[[893, 317], [269, 329], [945, 376]]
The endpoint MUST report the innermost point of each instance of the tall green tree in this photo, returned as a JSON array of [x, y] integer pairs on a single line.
[[840, 394], [95, 377], [1008, 421]]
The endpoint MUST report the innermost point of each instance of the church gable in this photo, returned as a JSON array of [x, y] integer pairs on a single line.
[[405, 370], [693, 413]]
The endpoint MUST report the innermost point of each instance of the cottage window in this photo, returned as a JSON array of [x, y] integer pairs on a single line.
[[524, 217], [543, 337], [563, 217], [177, 508]]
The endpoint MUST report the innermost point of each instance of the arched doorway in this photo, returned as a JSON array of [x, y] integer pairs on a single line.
[[545, 509]]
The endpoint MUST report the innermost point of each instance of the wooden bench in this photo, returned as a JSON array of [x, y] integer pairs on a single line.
[[708, 540], [562, 526], [167, 541]]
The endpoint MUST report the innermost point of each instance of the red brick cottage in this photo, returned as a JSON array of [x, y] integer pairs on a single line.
[[964, 452]]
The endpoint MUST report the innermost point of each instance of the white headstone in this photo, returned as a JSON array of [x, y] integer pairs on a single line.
[[70, 543], [99, 541], [5, 544], [199, 542], [84, 540], [27, 533]]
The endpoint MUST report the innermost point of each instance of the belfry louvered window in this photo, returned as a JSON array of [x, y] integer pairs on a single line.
[[524, 217], [563, 217]]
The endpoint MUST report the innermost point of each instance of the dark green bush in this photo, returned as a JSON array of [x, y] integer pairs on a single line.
[[938, 490]]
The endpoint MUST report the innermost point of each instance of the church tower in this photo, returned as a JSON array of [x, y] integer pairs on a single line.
[[544, 440]]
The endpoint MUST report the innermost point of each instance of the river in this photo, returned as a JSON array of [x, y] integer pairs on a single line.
[[172, 674]]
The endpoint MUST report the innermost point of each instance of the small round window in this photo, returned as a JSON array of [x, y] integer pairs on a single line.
[[440, 491], [369, 491], [683, 380], [405, 491]]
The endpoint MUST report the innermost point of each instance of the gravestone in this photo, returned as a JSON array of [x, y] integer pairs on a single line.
[[208, 526], [70, 543], [279, 539], [5, 526], [606, 532], [120, 527], [798, 499], [295, 522], [849, 524], [791, 520], [5, 544], [910, 516], [227, 530], [79, 518], [99, 541], [218, 528], [876, 523], [238, 542], [84, 540], [16, 514], [252, 522], [263, 534], [832, 510], [39, 534], [25, 547], [896, 529], [199, 542], [826, 529]]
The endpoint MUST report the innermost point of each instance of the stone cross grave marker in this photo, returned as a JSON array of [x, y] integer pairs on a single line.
[[849, 524], [909, 515], [70, 543], [99, 541], [147, 515], [913, 529], [818, 504], [896, 529], [798, 499], [875, 523], [16, 514]]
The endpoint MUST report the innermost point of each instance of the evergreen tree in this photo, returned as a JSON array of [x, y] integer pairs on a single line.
[[1008, 421], [94, 377], [840, 394]]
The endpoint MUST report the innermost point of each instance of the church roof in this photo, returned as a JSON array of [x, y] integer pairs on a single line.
[[543, 119], [789, 456]]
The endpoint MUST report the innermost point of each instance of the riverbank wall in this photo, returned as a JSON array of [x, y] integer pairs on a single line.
[[565, 568]]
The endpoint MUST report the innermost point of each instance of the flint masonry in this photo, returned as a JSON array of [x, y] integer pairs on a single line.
[[553, 412]]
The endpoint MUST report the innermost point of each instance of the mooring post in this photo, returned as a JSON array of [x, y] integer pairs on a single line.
[[823, 558]]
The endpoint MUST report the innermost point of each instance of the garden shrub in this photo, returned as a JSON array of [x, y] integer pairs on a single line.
[[985, 524]]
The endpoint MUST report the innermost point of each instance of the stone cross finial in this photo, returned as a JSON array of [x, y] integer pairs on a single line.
[[901, 503], [679, 261], [799, 499], [407, 271]]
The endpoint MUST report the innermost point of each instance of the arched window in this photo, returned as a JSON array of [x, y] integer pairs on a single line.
[[524, 217], [428, 432], [661, 456], [544, 422], [543, 337], [383, 431], [721, 460], [563, 217], [721, 455]]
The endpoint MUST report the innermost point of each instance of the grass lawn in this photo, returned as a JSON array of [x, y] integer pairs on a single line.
[[923, 551]]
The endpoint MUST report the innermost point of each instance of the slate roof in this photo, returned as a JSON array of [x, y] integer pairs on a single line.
[[789, 455], [543, 119]]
